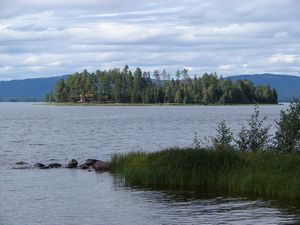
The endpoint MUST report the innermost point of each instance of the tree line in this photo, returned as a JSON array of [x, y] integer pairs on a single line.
[[125, 86]]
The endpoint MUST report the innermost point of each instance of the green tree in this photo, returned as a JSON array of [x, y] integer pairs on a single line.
[[256, 138], [61, 91], [137, 86], [287, 136], [224, 136]]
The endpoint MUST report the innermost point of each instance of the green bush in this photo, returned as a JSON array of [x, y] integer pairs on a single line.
[[256, 137], [224, 136], [287, 136]]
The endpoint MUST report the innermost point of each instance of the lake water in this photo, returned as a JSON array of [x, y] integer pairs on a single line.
[[43, 133]]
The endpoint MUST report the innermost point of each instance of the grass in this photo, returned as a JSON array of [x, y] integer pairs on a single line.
[[216, 171]]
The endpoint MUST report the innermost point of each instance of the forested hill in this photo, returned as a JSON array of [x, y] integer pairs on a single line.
[[27, 90], [36, 89], [126, 86], [286, 86]]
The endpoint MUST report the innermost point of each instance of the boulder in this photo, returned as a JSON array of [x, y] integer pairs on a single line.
[[39, 165], [72, 164], [101, 166], [54, 165], [84, 167], [90, 162], [21, 163], [45, 167]]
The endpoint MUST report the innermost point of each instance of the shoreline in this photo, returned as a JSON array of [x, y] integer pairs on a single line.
[[154, 104]]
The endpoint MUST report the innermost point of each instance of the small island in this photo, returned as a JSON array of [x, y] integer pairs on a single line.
[[116, 86]]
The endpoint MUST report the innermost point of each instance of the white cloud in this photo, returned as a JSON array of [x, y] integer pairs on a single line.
[[226, 67], [281, 58], [229, 37]]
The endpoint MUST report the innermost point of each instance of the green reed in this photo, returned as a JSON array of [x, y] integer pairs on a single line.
[[213, 171]]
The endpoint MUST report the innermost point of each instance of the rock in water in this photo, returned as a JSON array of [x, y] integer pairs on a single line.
[[101, 166], [45, 167], [72, 164], [21, 163], [90, 162], [84, 166], [39, 165], [54, 165]]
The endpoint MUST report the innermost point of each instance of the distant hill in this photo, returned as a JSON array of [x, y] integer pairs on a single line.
[[35, 89], [27, 90], [287, 86]]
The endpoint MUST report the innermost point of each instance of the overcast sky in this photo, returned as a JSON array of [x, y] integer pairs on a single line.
[[41, 38]]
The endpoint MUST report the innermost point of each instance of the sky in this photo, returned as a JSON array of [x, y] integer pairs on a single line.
[[42, 38]]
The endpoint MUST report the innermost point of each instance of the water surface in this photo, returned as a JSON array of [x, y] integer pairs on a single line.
[[42, 133]]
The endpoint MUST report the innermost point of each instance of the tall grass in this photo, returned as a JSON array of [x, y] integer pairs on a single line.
[[213, 171]]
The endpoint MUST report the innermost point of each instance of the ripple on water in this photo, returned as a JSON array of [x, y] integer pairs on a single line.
[[41, 133]]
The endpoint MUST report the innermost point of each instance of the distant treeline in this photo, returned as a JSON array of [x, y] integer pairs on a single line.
[[125, 86]]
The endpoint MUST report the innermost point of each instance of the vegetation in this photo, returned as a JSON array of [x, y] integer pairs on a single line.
[[248, 165], [224, 136], [217, 170], [125, 86], [287, 137], [256, 137]]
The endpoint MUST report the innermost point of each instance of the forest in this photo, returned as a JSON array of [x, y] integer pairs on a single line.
[[138, 87]]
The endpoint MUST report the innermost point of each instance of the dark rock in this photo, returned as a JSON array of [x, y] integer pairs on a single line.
[[90, 162], [54, 165], [84, 167], [39, 165], [21, 163], [72, 164], [101, 166], [45, 167]]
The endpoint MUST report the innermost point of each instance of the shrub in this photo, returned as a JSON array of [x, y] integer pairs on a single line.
[[224, 136], [256, 137], [287, 136]]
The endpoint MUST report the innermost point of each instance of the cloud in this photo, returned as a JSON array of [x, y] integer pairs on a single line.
[[42, 38], [280, 58]]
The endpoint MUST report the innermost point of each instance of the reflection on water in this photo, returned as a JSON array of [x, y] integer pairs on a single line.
[[38, 133], [79, 197]]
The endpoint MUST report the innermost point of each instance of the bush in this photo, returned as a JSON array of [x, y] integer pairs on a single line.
[[287, 136], [224, 136], [256, 137]]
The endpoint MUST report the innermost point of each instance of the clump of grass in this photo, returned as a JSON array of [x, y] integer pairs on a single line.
[[213, 171]]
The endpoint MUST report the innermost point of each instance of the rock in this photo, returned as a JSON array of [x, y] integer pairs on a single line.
[[21, 163], [90, 162], [72, 164], [39, 165], [54, 165], [84, 167], [45, 167], [101, 166]]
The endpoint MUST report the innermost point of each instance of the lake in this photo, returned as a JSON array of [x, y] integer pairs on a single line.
[[33, 133]]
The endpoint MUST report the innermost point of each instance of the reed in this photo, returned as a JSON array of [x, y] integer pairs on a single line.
[[219, 171]]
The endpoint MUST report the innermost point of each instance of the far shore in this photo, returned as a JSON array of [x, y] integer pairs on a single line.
[[150, 104]]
